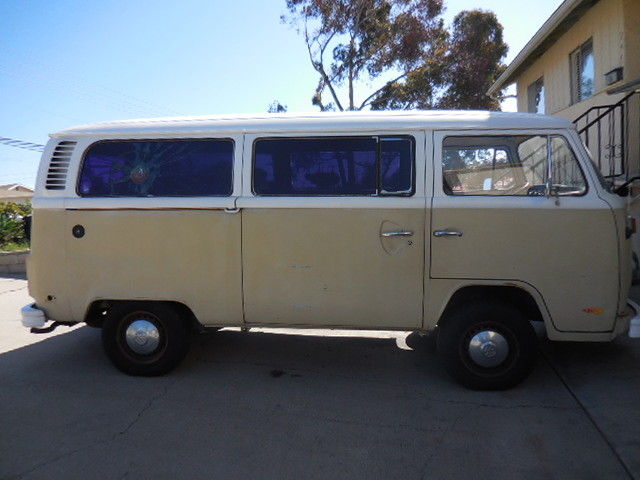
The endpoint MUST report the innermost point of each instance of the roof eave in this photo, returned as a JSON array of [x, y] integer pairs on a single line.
[[559, 22]]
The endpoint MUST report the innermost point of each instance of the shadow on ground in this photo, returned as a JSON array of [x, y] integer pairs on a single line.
[[261, 405]]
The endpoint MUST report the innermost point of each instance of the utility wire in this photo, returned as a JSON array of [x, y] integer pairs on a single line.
[[12, 142]]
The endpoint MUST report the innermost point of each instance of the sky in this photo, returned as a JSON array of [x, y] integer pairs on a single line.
[[65, 63]]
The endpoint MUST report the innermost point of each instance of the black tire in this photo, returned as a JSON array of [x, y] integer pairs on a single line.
[[459, 327], [172, 338]]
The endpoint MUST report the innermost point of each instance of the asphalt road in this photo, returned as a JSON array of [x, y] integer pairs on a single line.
[[307, 405]]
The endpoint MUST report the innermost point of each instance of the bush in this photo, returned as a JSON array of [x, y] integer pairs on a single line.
[[11, 223]]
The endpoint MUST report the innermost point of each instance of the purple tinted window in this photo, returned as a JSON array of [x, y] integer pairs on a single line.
[[315, 166], [396, 165], [333, 166], [141, 168]]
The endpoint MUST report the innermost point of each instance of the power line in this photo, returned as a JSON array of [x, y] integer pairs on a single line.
[[12, 142], [57, 76]]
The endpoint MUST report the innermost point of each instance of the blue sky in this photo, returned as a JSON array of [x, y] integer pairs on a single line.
[[64, 62]]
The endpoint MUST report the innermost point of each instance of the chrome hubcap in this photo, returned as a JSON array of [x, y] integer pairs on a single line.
[[143, 337], [488, 348]]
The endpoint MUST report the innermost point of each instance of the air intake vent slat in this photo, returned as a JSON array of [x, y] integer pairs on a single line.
[[59, 165]]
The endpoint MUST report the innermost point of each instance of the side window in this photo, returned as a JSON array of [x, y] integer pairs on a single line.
[[566, 176], [533, 156], [509, 165], [354, 166], [156, 168], [396, 165], [480, 166]]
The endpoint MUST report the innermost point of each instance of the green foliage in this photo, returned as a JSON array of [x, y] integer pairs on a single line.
[[11, 225], [351, 42], [277, 107], [474, 61]]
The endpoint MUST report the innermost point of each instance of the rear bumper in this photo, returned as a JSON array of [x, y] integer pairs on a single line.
[[35, 319]]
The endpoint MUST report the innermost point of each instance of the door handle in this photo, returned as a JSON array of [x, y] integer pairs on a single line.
[[231, 210], [447, 233], [396, 234]]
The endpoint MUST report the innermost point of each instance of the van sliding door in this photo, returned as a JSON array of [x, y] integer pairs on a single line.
[[333, 230]]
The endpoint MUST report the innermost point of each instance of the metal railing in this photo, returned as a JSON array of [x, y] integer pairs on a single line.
[[605, 130]]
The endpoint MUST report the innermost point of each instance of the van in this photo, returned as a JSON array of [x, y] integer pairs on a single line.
[[474, 225]]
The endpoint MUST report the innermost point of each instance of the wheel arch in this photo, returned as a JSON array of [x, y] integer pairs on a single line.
[[529, 304], [97, 310]]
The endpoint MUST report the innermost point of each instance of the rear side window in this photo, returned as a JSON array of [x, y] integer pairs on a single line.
[[353, 166], [158, 168]]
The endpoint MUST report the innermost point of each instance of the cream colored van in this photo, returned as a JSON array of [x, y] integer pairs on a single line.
[[476, 225]]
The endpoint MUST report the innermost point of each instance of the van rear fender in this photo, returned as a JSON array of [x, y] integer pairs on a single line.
[[97, 312]]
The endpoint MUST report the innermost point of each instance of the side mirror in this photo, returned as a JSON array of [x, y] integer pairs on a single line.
[[623, 190]]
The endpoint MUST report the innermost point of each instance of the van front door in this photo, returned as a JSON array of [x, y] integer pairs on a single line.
[[333, 234], [494, 220]]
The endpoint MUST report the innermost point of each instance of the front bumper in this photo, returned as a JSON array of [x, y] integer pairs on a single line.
[[634, 321]]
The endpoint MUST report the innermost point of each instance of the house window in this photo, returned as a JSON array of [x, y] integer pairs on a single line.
[[536, 96], [582, 72]]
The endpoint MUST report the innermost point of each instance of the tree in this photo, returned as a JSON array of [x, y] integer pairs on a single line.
[[474, 61], [277, 107], [366, 39], [404, 44]]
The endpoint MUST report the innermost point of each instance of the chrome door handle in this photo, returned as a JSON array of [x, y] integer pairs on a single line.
[[396, 234], [447, 233]]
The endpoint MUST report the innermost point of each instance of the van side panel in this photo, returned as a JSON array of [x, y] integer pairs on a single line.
[[568, 253], [331, 267], [188, 256], [46, 264]]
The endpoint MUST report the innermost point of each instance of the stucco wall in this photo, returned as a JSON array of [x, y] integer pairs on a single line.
[[13, 262]]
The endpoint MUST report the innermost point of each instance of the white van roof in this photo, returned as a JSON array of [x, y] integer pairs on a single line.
[[326, 121]]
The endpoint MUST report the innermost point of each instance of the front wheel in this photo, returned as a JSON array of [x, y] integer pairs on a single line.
[[487, 345], [145, 339]]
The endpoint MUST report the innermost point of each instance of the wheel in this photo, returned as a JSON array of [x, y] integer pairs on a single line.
[[487, 345], [145, 339]]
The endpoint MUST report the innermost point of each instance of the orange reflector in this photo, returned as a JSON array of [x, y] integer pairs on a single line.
[[594, 310]]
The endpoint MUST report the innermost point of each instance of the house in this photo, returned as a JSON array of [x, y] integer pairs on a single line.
[[583, 64], [16, 193]]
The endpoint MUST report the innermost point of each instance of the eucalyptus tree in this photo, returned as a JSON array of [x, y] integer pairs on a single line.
[[402, 47]]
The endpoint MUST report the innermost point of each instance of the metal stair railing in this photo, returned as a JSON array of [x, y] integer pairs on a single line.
[[605, 131]]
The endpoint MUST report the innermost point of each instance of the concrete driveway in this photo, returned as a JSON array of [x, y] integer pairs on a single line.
[[307, 405]]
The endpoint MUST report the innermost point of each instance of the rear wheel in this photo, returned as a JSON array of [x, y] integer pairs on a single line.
[[145, 338], [487, 345]]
